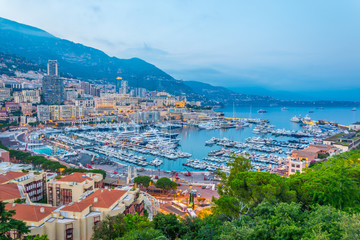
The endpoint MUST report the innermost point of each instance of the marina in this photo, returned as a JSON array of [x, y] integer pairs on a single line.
[[198, 146]]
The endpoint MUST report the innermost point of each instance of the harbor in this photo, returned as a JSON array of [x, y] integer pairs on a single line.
[[179, 146]]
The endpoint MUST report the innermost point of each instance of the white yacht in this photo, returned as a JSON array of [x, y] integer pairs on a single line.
[[295, 119]]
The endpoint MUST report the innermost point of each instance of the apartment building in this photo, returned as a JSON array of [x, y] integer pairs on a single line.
[[29, 96], [72, 188], [75, 221], [31, 184], [43, 113], [26, 108], [301, 159], [5, 94]]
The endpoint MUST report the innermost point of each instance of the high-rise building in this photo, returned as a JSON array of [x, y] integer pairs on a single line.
[[124, 87], [52, 85], [52, 68]]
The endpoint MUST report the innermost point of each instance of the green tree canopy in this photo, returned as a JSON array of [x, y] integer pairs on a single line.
[[166, 184], [7, 223]]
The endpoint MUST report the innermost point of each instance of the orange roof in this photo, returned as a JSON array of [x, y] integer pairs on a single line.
[[76, 207], [8, 176], [75, 177], [9, 191], [31, 213], [104, 198]]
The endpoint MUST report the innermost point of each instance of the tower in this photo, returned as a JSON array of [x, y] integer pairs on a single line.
[[52, 85], [124, 87], [52, 68]]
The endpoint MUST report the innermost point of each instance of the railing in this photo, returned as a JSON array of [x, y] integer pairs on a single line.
[[152, 205]]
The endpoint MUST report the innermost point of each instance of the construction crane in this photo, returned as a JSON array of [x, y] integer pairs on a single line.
[[188, 174]]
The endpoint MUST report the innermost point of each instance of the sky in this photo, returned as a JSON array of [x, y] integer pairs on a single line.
[[288, 49]]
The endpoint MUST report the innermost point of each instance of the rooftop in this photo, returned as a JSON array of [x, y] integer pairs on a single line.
[[9, 192], [30, 213], [76, 207], [8, 176], [75, 177], [104, 198]]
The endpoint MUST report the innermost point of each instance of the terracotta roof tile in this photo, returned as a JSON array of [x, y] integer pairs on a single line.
[[76, 207], [104, 198], [31, 213], [9, 191], [8, 176], [75, 177]]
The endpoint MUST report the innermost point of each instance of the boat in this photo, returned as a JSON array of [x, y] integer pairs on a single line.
[[307, 118], [295, 119], [311, 111], [354, 109], [261, 111], [284, 109]]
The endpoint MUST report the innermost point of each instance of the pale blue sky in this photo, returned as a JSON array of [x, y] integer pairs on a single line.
[[297, 46]]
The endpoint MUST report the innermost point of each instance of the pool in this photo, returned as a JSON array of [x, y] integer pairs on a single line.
[[49, 151]]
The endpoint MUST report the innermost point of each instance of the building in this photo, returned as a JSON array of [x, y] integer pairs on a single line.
[[72, 188], [301, 159], [43, 113], [76, 220], [4, 155], [9, 192], [105, 103], [52, 85], [86, 87], [145, 117], [52, 89], [355, 126], [26, 108], [85, 103], [31, 184], [52, 68], [12, 106], [124, 87], [30, 96], [5, 94]]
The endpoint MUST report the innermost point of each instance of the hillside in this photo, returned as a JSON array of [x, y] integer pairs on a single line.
[[221, 95], [81, 61]]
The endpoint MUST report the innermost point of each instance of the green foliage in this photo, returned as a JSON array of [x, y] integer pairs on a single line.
[[7, 223], [144, 234], [143, 180], [335, 182], [322, 203], [166, 184], [20, 201], [323, 155], [110, 228], [136, 221], [42, 237], [169, 225], [72, 170]]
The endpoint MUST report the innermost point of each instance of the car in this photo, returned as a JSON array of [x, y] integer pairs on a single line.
[[203, 187]]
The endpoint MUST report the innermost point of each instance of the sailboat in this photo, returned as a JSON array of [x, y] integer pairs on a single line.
[[354, 109]]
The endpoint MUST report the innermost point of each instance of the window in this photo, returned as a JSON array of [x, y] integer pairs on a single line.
[[96, 220], [292, 170], [69, 231], [293, 165], [298, 166]]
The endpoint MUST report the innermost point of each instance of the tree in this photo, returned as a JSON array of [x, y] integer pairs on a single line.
[[237, 164], [110, 228], [143, 180], [7, 223], [42, 237], [144, 234], [166, 184], [169, 224], [136, 222]]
